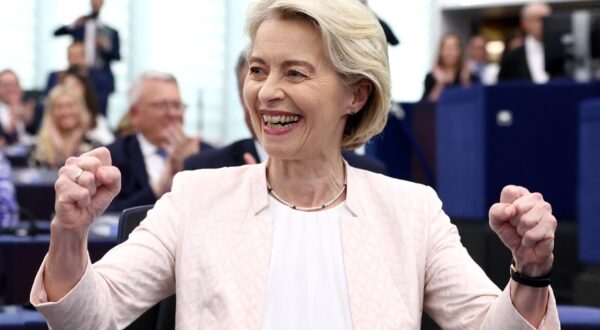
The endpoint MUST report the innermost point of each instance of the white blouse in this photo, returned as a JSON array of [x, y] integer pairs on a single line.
[[306, 287]]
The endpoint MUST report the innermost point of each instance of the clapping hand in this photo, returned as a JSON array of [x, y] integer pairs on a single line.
[[179, 147], [249, 159]]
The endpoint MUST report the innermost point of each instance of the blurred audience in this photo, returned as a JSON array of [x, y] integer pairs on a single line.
[[513, 40], [477, 57], [9, 208], [527, 62], [250, 151], [150, 158], [100, 81], [15, 113], [63, 131], [124, 126], [101, 43], [99, 129], [247, 151], [480, 66], [449, 69]]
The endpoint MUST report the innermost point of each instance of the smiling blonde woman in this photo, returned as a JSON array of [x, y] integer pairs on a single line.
[[63, 130], [304, 241]]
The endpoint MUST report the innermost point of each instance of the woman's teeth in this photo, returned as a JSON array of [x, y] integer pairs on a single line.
[[280, 121]]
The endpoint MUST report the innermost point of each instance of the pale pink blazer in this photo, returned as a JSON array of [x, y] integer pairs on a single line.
[[209, 241]]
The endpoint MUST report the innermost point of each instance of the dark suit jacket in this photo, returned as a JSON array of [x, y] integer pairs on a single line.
[[107, 56], [514, 66], [233, 155], [135, 187]]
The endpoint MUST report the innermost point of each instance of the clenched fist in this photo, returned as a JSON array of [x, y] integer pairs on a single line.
[[525, 224], [85, 187]]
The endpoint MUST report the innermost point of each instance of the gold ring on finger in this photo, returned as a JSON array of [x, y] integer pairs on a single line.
[[76, 180]]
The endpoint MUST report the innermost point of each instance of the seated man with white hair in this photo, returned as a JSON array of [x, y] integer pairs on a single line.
[[151, 156]]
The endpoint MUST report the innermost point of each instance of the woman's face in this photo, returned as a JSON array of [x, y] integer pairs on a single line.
[[66, 113], [450, 51], [297, 102]]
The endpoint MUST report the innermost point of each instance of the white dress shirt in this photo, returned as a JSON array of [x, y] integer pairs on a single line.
[[91, 26], [101, 133], [155, 163], [534, 51], [306, 286]]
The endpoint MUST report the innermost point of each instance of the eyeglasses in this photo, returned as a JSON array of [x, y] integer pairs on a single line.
[[163, 106]]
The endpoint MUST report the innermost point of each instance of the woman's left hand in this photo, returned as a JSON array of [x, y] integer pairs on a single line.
[[525, 224]]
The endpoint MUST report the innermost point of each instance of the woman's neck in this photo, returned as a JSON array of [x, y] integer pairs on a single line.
[[71, 140], [307, 183]]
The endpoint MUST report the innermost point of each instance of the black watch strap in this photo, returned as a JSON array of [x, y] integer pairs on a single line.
[[536, 282]]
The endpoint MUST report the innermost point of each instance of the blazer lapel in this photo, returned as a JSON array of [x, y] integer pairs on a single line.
[[248, 262], [375, 300]]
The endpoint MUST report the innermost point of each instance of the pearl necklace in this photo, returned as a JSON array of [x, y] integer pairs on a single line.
[[306, 209]]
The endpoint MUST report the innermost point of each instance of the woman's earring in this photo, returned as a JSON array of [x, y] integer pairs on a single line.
[[352, 113]]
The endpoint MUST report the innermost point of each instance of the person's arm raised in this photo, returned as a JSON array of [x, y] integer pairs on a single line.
[[524, 223], [85, 187]]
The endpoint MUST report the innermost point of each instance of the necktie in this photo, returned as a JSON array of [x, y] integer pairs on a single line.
[[162, 153]]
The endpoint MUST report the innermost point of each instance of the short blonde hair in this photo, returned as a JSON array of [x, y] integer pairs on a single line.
[[355, 44]]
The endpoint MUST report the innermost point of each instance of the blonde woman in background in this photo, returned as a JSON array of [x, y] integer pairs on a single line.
[[77, 81], [63, 132]]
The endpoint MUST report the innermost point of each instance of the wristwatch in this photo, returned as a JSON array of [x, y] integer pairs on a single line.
[[536, 282]]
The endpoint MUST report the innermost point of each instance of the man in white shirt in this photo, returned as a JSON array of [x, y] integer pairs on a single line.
[[527, 62], [480, 67], [150, 158], [477, 55]]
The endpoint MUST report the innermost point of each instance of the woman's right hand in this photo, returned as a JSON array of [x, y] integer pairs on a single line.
[[85, 187]]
